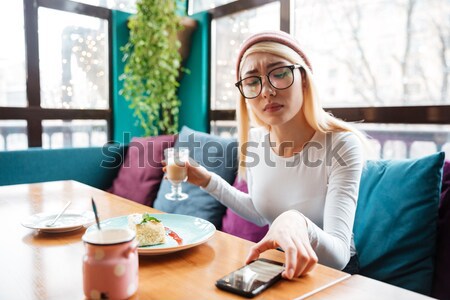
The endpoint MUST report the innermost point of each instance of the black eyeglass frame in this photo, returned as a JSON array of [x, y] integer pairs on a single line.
[[291, 67]]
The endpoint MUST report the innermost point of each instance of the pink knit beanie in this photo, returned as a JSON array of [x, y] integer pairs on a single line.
[[271, 36]]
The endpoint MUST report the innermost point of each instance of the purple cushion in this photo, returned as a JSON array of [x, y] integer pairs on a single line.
[[237, 226], [141, 173], [441, 288]]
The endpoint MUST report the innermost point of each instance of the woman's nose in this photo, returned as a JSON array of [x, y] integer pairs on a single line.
[[266, 88]]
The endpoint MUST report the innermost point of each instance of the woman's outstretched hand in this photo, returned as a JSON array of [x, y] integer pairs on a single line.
[[197, 174], [289, 232]]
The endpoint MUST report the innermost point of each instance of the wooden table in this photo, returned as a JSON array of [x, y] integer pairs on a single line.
[[37, 265], [360, 287]]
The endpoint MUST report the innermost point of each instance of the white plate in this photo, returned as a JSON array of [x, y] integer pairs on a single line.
[[192, 230], [69, 221]]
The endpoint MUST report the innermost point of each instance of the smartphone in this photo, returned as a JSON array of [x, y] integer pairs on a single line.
[[252, 279]]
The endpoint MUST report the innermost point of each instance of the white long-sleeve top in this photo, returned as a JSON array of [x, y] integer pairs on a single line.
[[321, 182]]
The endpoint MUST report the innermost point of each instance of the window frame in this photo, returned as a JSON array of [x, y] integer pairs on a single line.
[[34, 114]]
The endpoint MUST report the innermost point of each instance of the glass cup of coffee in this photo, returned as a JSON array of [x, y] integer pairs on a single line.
[[176, 171]]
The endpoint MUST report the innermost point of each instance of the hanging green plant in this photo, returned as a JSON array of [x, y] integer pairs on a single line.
[[152, 64]]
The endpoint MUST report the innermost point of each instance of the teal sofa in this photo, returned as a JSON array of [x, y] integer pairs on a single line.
[[97, 166]]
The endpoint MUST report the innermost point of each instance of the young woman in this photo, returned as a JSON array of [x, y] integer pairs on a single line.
[[302, 165]]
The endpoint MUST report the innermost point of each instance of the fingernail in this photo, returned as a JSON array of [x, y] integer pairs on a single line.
[[291, 273]]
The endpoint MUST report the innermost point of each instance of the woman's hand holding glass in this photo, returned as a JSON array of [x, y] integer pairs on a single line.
[[289, 231], [176, 171], [196, 174]]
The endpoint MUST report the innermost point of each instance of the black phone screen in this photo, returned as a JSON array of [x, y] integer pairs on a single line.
[[252, 278]]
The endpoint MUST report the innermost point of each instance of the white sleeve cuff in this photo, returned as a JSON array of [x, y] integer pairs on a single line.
[[212, 184]]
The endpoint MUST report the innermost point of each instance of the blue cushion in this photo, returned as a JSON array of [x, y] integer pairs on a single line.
[[216, 154], [396, 221]]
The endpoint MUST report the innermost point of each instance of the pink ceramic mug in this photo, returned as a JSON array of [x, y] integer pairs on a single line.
[[110, 264]]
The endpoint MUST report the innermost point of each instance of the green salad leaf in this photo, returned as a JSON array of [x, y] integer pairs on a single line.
[[148, 218]]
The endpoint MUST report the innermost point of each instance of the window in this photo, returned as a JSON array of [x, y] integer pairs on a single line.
[[63, 49], [384, 63], [363, 38], [392, 59], [231, 24], [12, 56], [73, 60], [407, 140], [123, 5], [13, 133], [233, 29], [201, 5]]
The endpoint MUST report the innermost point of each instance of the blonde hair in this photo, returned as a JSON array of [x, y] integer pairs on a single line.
[[315, 115]]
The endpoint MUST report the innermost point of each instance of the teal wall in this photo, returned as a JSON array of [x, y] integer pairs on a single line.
[[125, 124], [194, 91]]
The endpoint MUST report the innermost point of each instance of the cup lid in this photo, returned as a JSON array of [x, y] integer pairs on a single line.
[[109, 236]]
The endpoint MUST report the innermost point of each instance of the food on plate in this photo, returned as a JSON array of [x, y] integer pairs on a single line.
[[149, 230]]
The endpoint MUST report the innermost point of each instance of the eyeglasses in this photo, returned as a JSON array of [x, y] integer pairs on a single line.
[[280, 78]]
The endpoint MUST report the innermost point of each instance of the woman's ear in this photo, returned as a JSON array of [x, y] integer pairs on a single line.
[[303, 74]]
